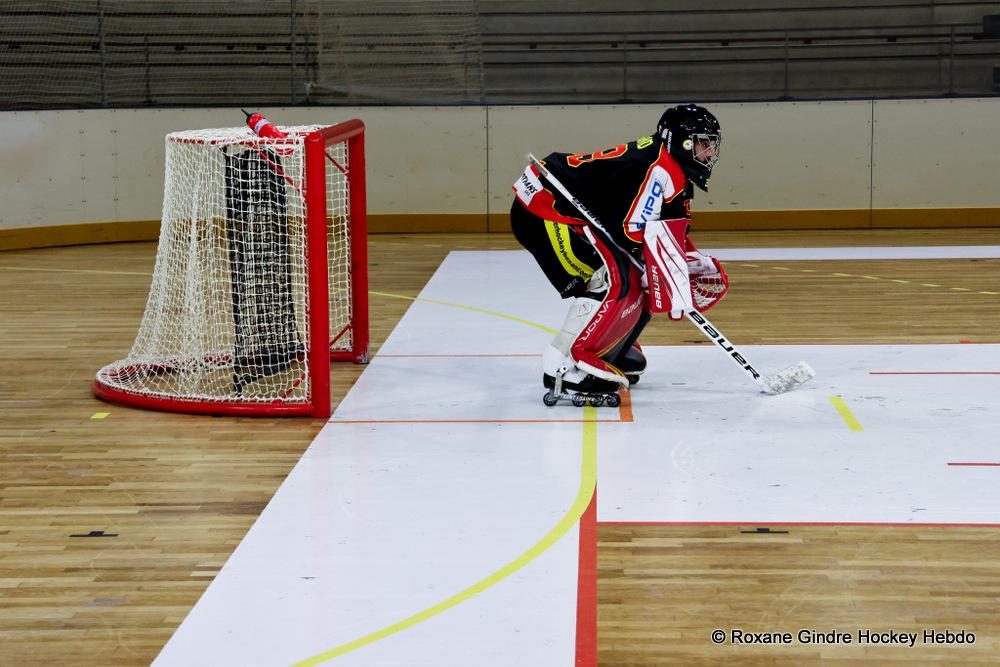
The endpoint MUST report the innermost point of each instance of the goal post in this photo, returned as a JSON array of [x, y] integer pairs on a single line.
[[260, 278]]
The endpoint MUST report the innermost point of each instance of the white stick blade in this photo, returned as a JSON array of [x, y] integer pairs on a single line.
[[788, 379]]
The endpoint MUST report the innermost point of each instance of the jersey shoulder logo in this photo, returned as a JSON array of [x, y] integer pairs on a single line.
[[643, 142]]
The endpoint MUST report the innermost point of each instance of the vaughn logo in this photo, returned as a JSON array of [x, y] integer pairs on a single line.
[[595, 321], [723, 343]]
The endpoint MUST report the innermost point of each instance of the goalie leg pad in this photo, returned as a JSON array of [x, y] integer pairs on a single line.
[[557, 354], [628, 357], [614, 319]]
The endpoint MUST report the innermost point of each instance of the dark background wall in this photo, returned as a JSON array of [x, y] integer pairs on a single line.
[[135, 53]]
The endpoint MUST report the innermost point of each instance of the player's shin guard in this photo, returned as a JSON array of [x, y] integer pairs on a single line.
[[628, 357], [557, 361], [594, 329]]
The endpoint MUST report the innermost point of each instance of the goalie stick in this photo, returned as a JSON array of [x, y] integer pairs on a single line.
[[777, 383]]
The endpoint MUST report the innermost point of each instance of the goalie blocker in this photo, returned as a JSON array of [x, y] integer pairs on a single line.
[[678, 277]]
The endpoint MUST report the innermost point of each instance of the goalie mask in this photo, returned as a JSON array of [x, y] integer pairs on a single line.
[[693, 137]]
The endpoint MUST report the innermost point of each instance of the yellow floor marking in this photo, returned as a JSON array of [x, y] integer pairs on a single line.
[[845, 413], [588, 481], [97, 271], [472, 308], [895, 280], [99, 415], [751, 265]]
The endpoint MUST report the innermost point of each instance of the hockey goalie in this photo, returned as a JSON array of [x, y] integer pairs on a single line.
[[641, 191]]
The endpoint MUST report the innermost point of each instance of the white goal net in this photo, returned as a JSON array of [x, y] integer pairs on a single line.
[[232, 322]]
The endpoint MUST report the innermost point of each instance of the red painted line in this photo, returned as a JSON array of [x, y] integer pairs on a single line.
[[944, 342], [934, 372], [586, 588], [474, 421], [449, 356], [624, 415], [625, 409], [974, 464], [797, 523]]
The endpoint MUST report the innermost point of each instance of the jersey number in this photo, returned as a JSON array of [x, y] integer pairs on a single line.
[[607, 153]]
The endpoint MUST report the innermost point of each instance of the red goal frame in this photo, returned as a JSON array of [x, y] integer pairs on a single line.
[[317, 161]]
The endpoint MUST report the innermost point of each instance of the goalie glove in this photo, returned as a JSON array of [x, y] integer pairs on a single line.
[[699, 264], [667, 272]]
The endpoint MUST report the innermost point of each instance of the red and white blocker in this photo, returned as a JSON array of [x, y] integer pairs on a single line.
[[598, 322]]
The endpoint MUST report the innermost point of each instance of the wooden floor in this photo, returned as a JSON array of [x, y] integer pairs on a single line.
[[173, 495]]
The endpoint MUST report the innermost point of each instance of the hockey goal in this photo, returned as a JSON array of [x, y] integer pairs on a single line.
[[260, 277]]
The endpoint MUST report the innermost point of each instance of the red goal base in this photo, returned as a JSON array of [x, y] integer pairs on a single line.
[[174, 404], [261, 277]]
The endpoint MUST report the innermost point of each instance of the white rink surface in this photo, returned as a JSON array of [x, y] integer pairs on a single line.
[[437, 481]]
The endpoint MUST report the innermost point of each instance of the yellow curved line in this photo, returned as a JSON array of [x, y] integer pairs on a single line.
[[472, 308], [588, 484], [588, 481]]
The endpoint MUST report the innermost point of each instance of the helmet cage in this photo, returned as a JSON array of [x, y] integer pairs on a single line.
[[704, 148]]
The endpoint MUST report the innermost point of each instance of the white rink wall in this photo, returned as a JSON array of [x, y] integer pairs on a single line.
[[66, 167]]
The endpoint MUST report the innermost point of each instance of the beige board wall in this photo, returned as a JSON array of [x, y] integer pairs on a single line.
[[88, 166], [431, 165], [419, 160], [67, 167], [775, 156], [937, 153]]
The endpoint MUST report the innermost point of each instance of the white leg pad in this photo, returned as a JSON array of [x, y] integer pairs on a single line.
[[581, 311]]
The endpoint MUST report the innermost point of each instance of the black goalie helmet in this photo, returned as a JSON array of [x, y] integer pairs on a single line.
[[693, 137]]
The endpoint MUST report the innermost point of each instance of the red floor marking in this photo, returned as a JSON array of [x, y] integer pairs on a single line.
[[797, 523], [974, 464], [625, 408], [934, 372], [833, 344], [586, 588], [473, 421], [449, 356]]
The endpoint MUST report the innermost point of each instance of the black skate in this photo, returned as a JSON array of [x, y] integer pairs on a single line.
[[632, 363], [591, 390]]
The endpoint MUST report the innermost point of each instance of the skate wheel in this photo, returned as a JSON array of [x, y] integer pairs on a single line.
[[549, 399], [632, 379], [579, 400], [597, 401], [614, 400]]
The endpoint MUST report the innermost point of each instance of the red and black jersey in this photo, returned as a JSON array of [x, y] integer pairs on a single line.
[[623, 186]]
